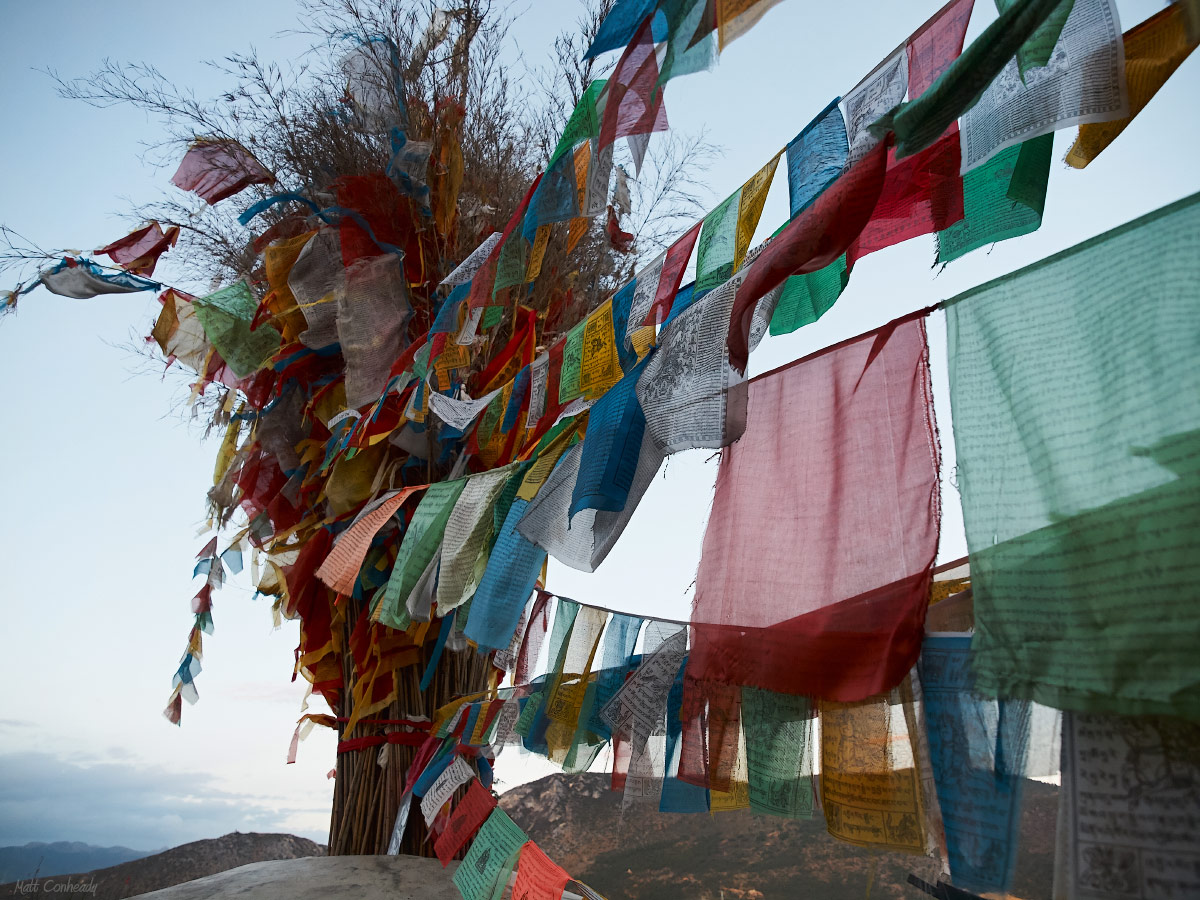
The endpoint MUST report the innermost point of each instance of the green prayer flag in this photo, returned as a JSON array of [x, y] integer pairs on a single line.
[[512, 263], [1039, 47], [225, 316], [492, 316], [806, 298], [421, 542], [584, 122], [529, 711], [717, 243], [568, 379], [494, 846], [1075, 386], [779, 752], [1002, 199]]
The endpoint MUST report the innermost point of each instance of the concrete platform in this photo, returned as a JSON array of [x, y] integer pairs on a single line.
[[323, 877]]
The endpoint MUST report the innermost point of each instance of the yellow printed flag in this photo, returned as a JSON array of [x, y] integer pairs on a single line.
[[1154, 49]]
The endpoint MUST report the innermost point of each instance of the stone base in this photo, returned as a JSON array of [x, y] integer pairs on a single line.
[[322, 877]]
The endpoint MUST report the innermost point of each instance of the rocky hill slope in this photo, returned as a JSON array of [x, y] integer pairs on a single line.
[[735, 855]]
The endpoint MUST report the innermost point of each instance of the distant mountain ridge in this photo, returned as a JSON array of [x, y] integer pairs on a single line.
[[60, 858], [186, 862]]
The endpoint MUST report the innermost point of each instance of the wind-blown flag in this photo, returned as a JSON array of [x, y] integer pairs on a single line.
[[84, 279], [1076, 423], [218, 169], [840, 457], [1153, 51], [633, 99], [138, 251]]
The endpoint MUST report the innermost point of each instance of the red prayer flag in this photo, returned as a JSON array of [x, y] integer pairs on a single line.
[[815, 570], [138, 251], [634, 101], [812, 240], [468, 817], [514, 356], [678, 255], [936, 44], [538, 876], [922, 194]]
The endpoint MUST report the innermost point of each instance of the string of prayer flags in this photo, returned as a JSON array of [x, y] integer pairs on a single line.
[[832, 430], [226, 316], [727, 230], [1131, 797], [138, 251], [1078, 469], [1004, 198], [1154, 49], [633, 102], [216, 169], [82, 279], [1083, 82]]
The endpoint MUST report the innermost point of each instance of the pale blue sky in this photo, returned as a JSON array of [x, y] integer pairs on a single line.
[[104, 482]]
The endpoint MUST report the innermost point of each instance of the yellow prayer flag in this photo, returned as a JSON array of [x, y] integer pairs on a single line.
[[750, 207], [540, 239], [600, 367], [1154, 49]]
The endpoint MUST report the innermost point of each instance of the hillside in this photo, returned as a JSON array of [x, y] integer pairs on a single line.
[[177, 865], [578, 822]]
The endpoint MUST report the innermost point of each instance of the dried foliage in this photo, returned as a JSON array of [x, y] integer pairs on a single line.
[[300, 122]]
